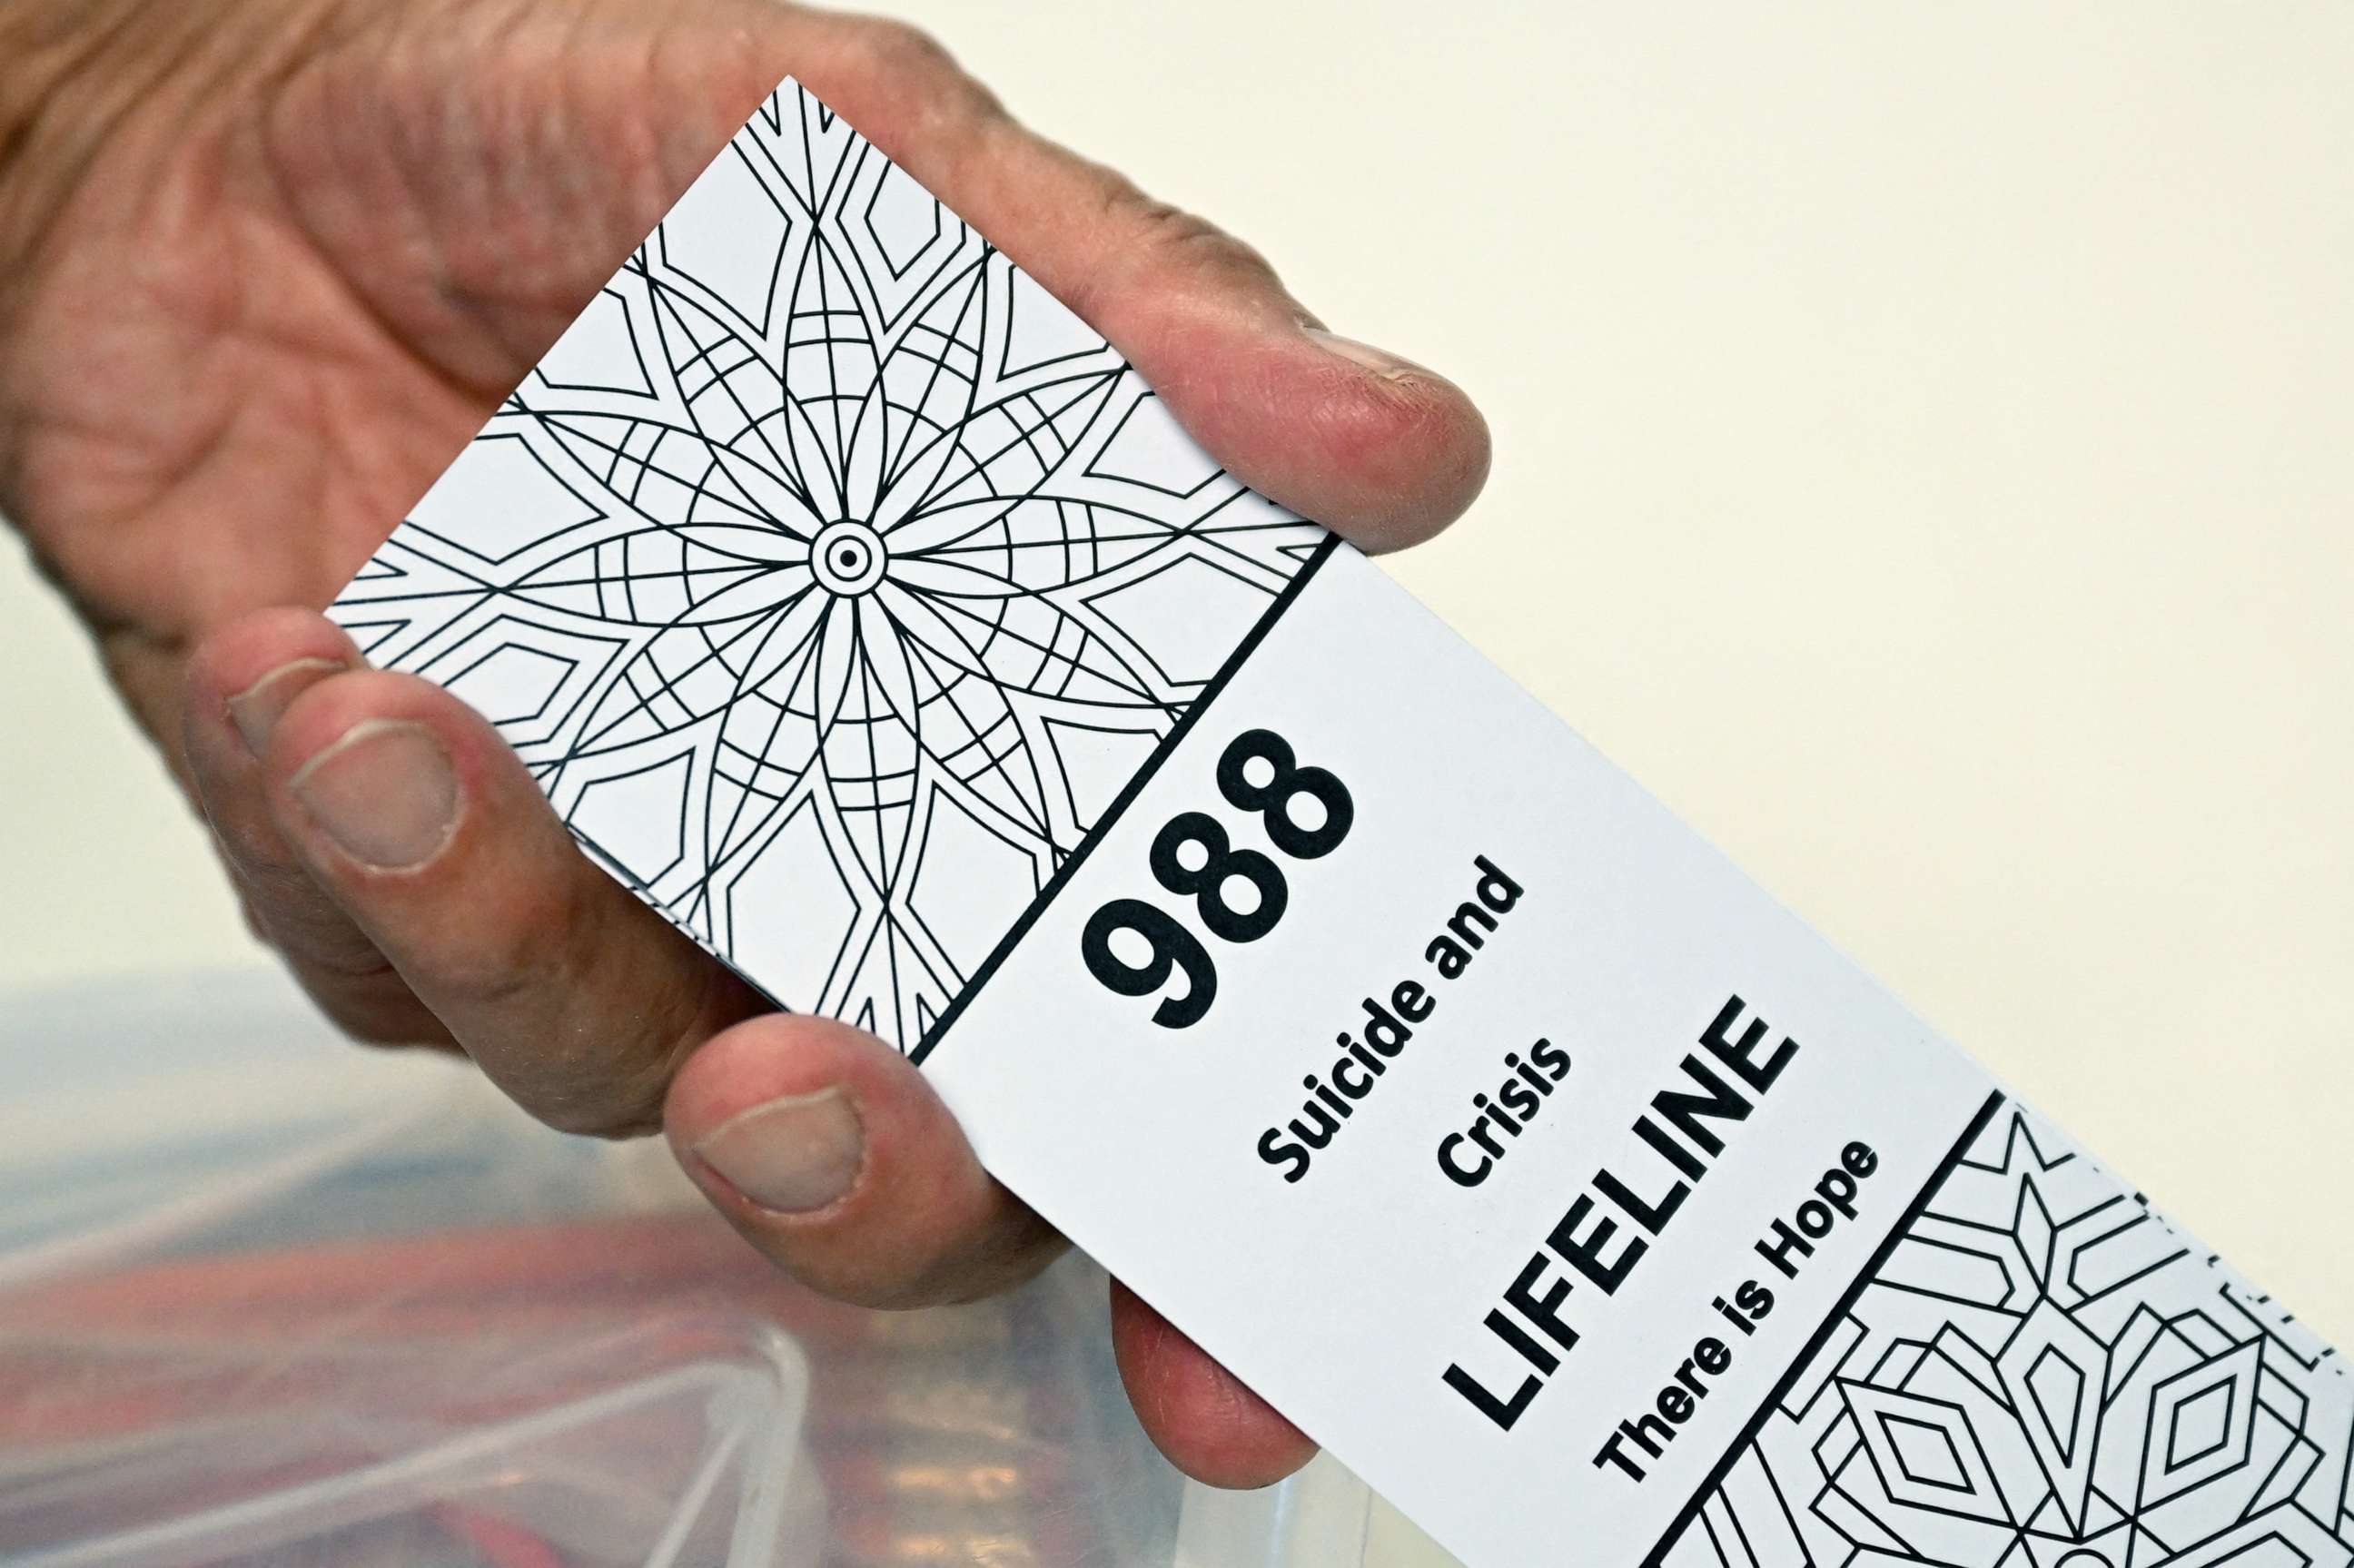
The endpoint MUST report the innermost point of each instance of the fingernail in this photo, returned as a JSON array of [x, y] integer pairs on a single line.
[[1379, 360], [384, 791], [256, 710], [791, 1155]]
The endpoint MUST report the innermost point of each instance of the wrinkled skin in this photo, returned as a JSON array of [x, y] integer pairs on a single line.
[[265, 265]]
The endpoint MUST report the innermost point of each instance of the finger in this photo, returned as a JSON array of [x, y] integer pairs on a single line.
[[239, 683], [1196, 1412], [1370, 444], [832, 1154], [410, 812]]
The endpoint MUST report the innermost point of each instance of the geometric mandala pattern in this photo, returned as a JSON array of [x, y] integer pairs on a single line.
[[2043, 1373], [830, 577]]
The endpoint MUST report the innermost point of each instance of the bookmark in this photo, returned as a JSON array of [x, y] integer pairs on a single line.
[[862, 612]]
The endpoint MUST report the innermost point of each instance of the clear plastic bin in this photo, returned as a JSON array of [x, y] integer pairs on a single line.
[[267, 1299]]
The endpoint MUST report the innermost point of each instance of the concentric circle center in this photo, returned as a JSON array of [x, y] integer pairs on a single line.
[[849, 558]]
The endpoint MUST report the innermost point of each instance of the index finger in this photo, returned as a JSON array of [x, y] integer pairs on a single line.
[[1373, 445]]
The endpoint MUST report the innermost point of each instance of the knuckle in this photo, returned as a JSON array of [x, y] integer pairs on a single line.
[[917, 84], [580, 1067], [286, 909], [494, 972], [512, 946], [255, 852], [574, 1086], [327, 943], [368, 1024], [590, 1087], [1175, 241], [897, 47], [619, 1092], [372, 1014]]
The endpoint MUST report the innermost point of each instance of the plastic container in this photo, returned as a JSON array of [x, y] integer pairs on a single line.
[[270, 1299]]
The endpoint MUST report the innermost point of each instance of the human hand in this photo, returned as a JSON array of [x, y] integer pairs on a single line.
[[266, 265]]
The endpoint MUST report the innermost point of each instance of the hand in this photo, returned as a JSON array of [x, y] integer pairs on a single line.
[[265, 266]]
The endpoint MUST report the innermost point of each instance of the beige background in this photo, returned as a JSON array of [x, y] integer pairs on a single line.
[[1922, 456]]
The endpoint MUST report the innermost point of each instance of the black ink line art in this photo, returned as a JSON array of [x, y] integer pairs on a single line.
[[830, 577], [2044, 1373]]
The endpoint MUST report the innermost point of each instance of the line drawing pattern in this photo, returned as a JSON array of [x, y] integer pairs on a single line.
[[829, 575], [2045, 1373]]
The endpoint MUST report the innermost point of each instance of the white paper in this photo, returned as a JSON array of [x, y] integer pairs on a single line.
[[864, 613]]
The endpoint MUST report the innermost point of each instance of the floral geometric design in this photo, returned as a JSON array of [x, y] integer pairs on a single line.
[[2044, 1373], [829, 575]]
